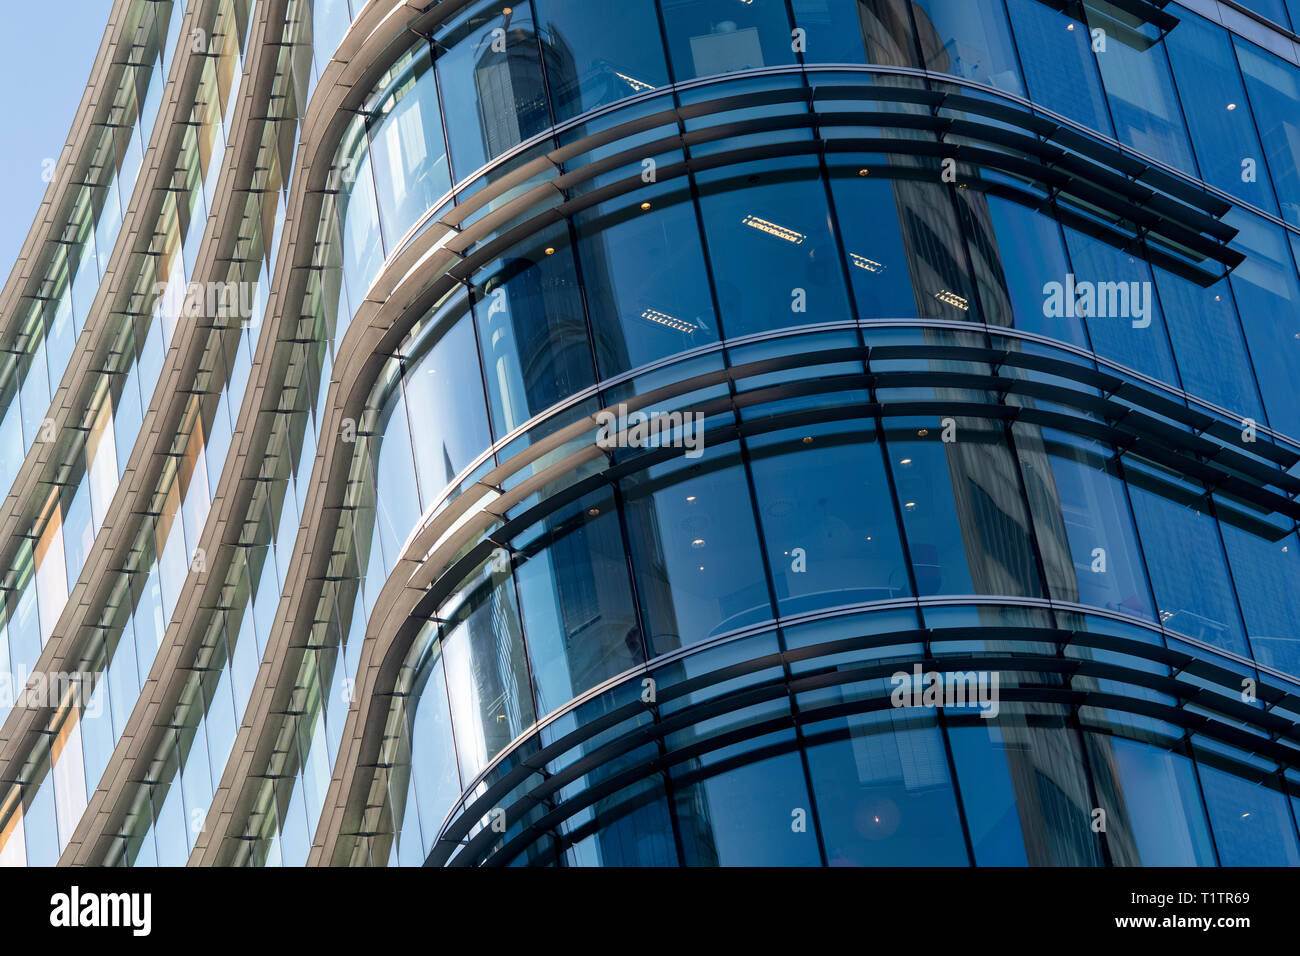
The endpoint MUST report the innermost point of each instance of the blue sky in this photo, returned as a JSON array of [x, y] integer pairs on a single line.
[[46, 51]]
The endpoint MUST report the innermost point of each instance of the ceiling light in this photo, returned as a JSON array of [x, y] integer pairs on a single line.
[[639, 86], [663, 318], [862, 262], [645, 206], [772, 229], [953, 299]]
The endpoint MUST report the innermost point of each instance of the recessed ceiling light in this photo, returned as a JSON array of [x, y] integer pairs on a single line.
[[772, 229]]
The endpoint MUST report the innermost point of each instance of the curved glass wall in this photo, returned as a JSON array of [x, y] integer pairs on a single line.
[[780, 242], [783, 747]]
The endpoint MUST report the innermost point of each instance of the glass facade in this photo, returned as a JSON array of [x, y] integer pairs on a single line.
[[966, 332]]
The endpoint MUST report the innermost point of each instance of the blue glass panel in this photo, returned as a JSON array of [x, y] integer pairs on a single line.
[[721, 36], [1252, 823], [1154, 815], [1274, 88], [576, 600], [835, 31], [748, 815], [970, 39], [1059, 64], [967, 531], [433, 759], [532, 330], [598, 52], [824, 506], [1209, 347], [489, 65], [1268, 300], [644, 278], [775, 261], [1081, 515], [407, 147], [1185, 560], [1025, 793], [884, 794], [1267, 575], [1205, 69], [694, 549]]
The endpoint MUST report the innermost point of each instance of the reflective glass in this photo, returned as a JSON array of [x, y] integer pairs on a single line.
[[1252, 822], [532, 330], [775, 261], [721, 36], [598, 52], [970, 39], [576, 600], [884, 793], [694, 549], [1056, 52], [406, 146], [824, 507], [495, 49], [1225, 139]]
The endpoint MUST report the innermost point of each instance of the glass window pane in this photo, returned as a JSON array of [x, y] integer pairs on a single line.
[[444, 395], [694, 549], [966, 526], [487, 675], [1252, 823], [1025, 792], [576, 600], [1206, 71], [721, 36], [532, 331], [970, 39], [1056, 52], [1274, 88], [884, 794], [1081, 516], [775, 261], [836, 30], [598, 52], [1185, 560], [827, 519], [496, 48], [406, 146], [644, 277]]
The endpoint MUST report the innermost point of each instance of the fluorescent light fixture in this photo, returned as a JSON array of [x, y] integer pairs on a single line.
[[663, 318], [953, 299], [640, 86], [862, 262], [772, 229]]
